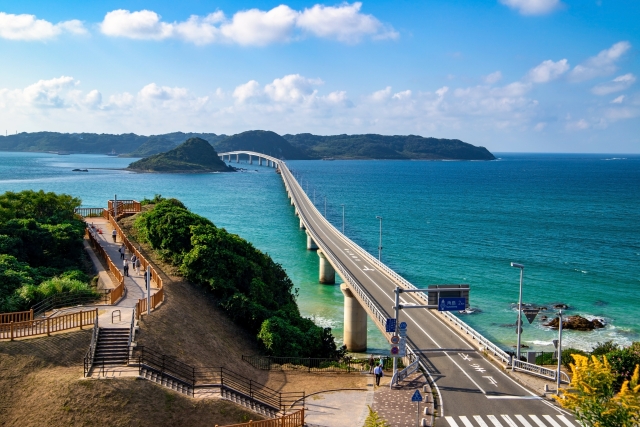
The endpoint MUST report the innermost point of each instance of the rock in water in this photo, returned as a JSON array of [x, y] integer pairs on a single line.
[[576, 323]]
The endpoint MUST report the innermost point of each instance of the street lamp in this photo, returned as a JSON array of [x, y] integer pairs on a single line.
[[519, 323], [342, 219], [380, 244], [325, 206], [559, 352]]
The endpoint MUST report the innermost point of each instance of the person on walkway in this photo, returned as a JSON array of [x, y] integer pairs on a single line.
[[138, 265], [133, 261], [378, 373], [372, 364], [125, 267], [114, 233], [122, 251]]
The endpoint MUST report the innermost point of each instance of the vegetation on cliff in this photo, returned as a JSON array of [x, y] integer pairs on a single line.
[[193, 155], [262, 141], [253, 290], [41, 250]]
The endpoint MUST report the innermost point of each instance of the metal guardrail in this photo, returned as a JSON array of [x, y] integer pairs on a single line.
[[530, 368], [89, 356], [67, 299]]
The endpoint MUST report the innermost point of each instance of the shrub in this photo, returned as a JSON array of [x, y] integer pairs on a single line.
[[602, 348]]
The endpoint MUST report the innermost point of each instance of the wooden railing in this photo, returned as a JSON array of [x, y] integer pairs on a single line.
[[294, 419], [118, 292], [91, 212], [18, 316], [124, 207], [48, 326], [141, 305]]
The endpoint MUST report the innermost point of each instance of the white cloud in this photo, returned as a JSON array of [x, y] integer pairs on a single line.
[[604, 63], [28, 27], [381, 95], [253, 27], [493, 77], [578, 125], [141, 25], [618, 100], [533, 7], [248, 90], [292, 88], [616, 85], [406, 94], [49, 93], [344, 23], [539, 127], [547, 71]]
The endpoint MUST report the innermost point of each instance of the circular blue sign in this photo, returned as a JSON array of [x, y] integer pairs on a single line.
[[403, 325]]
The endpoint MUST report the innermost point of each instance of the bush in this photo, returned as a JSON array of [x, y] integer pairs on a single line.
[[567, 356], [602, 348], [623, 362]]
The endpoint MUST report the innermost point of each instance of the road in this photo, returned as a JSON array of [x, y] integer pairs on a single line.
[[472, 390]]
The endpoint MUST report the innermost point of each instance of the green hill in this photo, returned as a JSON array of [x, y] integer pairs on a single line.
[[262, 141], [193, 155], [373, 146]]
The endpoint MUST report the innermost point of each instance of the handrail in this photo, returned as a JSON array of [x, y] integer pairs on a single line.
[[540, 371], [16, 316], [90, 355], [65, 299], [48, 325]]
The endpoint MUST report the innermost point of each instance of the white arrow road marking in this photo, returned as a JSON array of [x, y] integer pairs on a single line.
[[465, 357]]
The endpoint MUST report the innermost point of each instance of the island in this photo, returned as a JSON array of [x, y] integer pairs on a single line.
[[195, 155]]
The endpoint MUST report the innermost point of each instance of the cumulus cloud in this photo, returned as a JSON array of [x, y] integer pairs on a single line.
[[290, 89], [533, 7], [493, 77], [29, 28], [618, 100], [547, 71], [253, 27], [616, 85], [603, 64], [578, 125]]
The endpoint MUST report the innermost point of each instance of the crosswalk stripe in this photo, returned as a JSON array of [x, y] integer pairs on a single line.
[[480, 421], [509, 421], [466, 421], [451, 421], [566, 421], [551, 421], [523, 421], [494, 420], [537, 421]]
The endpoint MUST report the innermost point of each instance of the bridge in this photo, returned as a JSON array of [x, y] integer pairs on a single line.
[[469, 385]]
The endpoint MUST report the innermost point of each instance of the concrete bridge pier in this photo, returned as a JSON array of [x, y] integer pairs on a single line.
[[237, 158], [250, 159], [355, 322], [260, 161], [311, 245], [327, 272], [302, 227]]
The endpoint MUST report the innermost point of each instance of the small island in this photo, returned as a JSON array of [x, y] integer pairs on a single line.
[[195, 155]]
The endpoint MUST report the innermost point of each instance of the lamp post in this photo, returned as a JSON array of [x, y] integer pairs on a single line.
[[519, 323], [342, 218], [380, 244], [325, 206], [559, 352]]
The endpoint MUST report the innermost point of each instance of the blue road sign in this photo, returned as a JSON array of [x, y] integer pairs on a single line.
[[417, 397], [390, 325], [452, 304], [403, 325]]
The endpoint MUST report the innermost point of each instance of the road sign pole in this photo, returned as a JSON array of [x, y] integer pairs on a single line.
[[397, 314], [559, 352], [418, 416]]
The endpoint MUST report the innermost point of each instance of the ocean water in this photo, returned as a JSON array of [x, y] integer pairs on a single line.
[[572, 220]]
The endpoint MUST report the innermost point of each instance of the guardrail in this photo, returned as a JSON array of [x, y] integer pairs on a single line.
[[90, 212], [530, 368], [18, 316], [156, 300], [67, 299], [294, 419], [48, 325]]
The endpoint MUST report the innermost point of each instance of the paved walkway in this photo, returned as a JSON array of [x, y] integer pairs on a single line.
[[345, 408], [118, 315], [395, 405]]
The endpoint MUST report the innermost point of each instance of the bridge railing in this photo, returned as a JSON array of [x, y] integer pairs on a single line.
[[530, 368]]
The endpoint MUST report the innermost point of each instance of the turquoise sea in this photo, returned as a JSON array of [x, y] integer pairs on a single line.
[[572, 220]]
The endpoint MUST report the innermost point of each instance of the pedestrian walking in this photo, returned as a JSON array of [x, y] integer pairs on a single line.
[[378, 373], [122, 251], [146, 280], [138, 265], [114, 234], [125, 267], [372, 364]]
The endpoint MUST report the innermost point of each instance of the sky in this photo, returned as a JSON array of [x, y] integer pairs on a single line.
[[509, 75]]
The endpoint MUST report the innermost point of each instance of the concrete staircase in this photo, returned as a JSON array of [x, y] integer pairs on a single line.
[[166, 380], [112, 347]]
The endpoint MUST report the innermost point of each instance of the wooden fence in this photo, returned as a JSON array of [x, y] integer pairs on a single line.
[[91, 212], [294, 419], [118, 292], [47, 326], [18, 316], [124, 207], [141, 305]]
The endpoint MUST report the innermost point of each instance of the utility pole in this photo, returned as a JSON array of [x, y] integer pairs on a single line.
[[559, 352]]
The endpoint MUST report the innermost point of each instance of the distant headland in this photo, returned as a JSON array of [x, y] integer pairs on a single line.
[[304, 146]]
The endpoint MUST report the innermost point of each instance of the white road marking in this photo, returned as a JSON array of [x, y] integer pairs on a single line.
[[466, 421], [451, 421], [509, 421], [492, 381], [480, 421], [523, 421], [465, 357], [494, 421], [566, 421], [537, 420], [551, 421], [515, 397]]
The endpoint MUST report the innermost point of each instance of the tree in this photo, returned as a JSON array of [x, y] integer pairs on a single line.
[[591, 395]]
